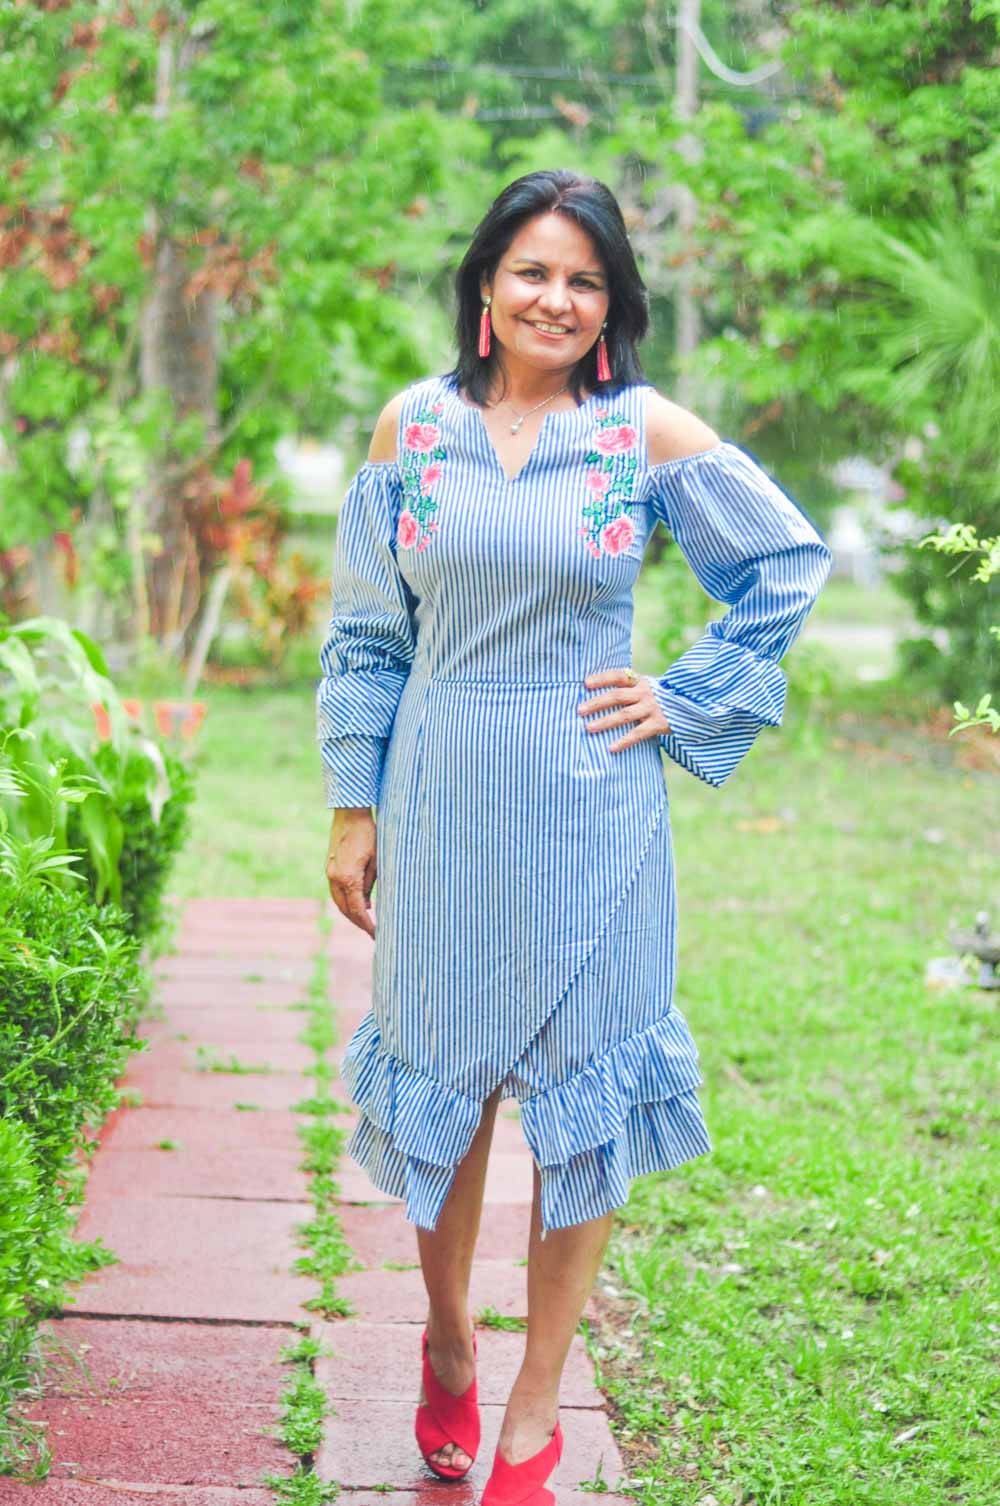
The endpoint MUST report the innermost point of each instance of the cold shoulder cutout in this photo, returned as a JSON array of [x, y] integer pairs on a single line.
[[384, 444], [672, 432]]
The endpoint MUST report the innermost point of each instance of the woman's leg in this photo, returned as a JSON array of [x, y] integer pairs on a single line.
[[446, 1259], [562, 1269]]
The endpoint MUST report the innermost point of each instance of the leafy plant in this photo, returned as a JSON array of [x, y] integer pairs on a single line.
[[120, 805], [962, 538], [869, 325], [69, 993]]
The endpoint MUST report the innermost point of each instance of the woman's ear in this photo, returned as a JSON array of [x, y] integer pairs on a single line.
[[485, 289]]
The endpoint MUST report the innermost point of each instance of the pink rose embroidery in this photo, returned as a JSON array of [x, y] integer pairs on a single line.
[[616, 441], [422, 437], [421, 469], [406, 532], [618, 534], [610, 480]]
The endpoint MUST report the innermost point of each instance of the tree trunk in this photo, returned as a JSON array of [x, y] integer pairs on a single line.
[[179, 352]]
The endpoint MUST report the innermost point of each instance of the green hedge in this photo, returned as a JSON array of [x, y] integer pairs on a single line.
[[88, 833], [70, 989]]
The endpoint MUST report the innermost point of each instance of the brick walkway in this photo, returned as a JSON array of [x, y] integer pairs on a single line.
[[180, 1340]]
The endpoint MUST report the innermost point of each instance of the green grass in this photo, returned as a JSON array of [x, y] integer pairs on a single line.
[[305, 1405], [842, 600], [208, 1060], [488, 1317], [259, 824], [808, 1316]]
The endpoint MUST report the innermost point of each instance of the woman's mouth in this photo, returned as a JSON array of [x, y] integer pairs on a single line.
[[549, 331]]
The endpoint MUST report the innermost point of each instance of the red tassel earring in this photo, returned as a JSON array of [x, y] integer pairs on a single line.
[[484, 329], [603, 367]]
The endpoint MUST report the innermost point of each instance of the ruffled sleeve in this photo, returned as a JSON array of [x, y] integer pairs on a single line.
[[370, 644], [751, 547]]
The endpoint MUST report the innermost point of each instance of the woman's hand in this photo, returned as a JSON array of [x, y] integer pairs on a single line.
[[627, 703], [350, 865]]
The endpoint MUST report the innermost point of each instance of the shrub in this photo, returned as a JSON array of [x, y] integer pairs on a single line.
[[69, 994], [148, 835], [122, 804]]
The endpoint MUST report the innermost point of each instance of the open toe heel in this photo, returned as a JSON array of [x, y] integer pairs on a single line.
[[524, 1484], [445, 1418]]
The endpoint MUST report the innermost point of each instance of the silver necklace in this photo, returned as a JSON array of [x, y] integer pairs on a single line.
[[520, 417]]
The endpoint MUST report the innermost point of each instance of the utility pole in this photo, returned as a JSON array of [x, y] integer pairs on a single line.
[[687, 313]]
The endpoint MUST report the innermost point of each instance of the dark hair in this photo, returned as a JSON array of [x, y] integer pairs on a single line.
[[593, 207]]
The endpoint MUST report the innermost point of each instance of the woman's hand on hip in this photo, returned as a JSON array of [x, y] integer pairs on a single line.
[[624, 703], [350, 865]]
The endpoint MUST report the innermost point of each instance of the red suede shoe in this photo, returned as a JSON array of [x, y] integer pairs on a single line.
[[524, 1484], [444, 1418]]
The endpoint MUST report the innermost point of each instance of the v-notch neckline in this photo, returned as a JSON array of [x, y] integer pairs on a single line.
[[533, 452]]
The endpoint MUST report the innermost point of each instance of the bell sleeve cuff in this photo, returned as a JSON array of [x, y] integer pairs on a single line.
[[751, 547], [370, 643]]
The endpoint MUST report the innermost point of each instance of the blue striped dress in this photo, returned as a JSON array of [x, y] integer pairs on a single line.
[[525, 912]]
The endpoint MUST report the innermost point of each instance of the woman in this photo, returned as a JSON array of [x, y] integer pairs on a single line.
[[477, 693]]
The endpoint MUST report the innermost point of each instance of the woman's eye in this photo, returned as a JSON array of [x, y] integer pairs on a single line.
[[534, 273]]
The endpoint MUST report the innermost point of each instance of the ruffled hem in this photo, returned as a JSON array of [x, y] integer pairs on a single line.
[[655, 1137], [424, 1118], [422, 1187], [591, 1108], [633, 1111]]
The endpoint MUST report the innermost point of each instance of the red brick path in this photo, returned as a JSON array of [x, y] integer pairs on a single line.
[[179, 1395]]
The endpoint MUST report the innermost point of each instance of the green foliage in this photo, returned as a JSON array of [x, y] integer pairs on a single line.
[[70, 985], [79, 821], [962, 539], [295, 194], [150, 840], [69, 991], [849, 269], [121, 807], [23, 1267]]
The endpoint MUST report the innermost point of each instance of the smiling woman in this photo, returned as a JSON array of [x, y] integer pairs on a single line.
[[478, 693]]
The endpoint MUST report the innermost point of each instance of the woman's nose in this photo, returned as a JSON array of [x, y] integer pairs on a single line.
[[555, 297]]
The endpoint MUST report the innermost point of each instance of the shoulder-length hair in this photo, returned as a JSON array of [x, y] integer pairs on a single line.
[[593, 207]]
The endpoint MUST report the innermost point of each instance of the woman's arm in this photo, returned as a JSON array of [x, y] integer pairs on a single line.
[[751, 547], [370, 641]]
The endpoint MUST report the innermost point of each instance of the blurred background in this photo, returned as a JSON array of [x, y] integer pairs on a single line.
[[227, 236]]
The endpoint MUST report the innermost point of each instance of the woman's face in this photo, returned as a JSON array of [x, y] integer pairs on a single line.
[[550, 294]]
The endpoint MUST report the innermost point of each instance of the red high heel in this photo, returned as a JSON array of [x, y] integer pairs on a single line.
[[445, 1418], [523, 1484]]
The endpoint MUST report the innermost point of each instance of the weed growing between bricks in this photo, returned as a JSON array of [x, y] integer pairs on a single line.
[[304, 1403], [329, 1256], [303, 1408]]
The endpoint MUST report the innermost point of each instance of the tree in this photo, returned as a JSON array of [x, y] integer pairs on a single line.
[[210, 224], [850, 271]]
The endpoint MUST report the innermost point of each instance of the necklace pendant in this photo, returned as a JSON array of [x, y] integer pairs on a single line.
[[516, 425]]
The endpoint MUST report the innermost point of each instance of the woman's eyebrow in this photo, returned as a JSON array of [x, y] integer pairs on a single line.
[[531, 261]]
